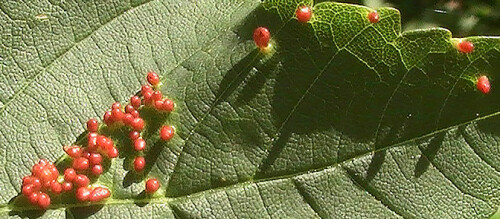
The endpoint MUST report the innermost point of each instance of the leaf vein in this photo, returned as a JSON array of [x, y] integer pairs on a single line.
[[308, 200], [368, 189]]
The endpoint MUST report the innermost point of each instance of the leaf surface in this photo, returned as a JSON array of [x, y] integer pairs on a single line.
[[342, 118]]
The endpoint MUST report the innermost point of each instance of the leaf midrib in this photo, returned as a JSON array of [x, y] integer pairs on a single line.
[[172, 200]]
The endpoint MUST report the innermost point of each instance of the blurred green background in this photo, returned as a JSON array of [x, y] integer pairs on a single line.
[[462, 17]]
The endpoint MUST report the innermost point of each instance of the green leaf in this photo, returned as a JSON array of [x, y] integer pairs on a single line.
[[342, 118]]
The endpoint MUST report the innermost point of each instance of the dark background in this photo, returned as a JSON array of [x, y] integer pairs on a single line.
[[462, 17]]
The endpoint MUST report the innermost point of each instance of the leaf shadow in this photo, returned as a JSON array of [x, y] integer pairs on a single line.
[[83, 212], [151, 157], [430, 153], [276, 149], [153, 149], [375, 165], [319, 89], [27, 214], [315, 93], [141, 196], [236, 76], [246, 71]]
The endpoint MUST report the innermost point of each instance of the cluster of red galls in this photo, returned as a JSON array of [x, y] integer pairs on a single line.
[[43, 178], [88, 160], [262, 37]]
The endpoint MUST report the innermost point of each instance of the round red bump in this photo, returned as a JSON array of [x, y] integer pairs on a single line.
[[135, 101], [153, 78], [86, 154], [152, 185], [116, 105], [69, 174], [137, 124], [148, 97], [159, 104], [33, 198], [146, 89], [168, 105], [56, 187], [73, 151], [46, 185], [107, 118], [81, 163], [373, 17], [97, 170], [261, 37], [81, 180], [28, 189], [135, 113], [157, 95], [67, 186], [128, 118], [83, 193], [129, 108], [92, 125], [117, 115], [28, 180], [133, 135], [139, 144], [99, 194], [166, 133], [92, 141], [37, 169], [483, 84], [465, 46], [104, 142], [37, 184], [113, 152], [139, 164], [303, 13], [95, 158], [43, 200]]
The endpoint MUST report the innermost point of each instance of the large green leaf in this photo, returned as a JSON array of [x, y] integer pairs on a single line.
[[343, 118]]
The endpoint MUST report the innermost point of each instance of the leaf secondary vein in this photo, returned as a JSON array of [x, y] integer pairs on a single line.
[[31, 80], [462, 190], [374, 196]]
